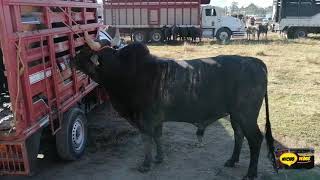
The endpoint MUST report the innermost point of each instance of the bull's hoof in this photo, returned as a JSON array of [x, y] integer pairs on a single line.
[[158, 159], [144, 168], [249, 177], [200, 145], [230, 163]]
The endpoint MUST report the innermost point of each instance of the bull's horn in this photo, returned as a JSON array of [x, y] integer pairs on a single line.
[[116, 40], [91, 43]]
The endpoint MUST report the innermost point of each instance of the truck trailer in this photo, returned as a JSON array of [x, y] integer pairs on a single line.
[[40, 92], [144, 19], [297, 18]]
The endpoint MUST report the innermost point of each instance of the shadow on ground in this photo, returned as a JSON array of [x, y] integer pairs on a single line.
[[115, 150]]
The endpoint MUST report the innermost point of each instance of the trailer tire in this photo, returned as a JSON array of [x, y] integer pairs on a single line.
[[223, 35], [71, 139], [139, 36], [156, 36], [300, 33]]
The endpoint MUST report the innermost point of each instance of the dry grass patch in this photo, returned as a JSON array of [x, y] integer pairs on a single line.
[[260, 53]]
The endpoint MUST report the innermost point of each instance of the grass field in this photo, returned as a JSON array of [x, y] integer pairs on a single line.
[[294, 81]]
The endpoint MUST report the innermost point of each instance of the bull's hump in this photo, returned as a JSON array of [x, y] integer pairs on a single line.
[[184, 64], [209, 61]]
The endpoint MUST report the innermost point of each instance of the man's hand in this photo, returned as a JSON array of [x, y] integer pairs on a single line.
[[91, 43], [86, 36]]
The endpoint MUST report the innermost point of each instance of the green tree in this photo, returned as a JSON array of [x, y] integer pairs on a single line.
[[234, 8], [252, 9]]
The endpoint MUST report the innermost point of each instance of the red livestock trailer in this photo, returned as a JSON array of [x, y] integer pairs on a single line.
[[38, 39]]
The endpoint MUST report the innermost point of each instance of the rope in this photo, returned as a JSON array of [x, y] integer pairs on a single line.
[[67, 25], [70, 27], [68, 16], [20, 71]]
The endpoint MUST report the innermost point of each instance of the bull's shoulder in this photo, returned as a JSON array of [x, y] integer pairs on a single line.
[[134, 50]]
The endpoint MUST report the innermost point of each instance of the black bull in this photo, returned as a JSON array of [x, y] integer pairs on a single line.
[[148, 91]]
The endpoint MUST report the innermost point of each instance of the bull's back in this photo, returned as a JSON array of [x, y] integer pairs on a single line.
[[205, 88]]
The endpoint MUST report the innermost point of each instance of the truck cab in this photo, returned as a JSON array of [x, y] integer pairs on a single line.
[[216, 24]]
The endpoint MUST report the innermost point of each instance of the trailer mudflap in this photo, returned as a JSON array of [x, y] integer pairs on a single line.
[[19, 157]]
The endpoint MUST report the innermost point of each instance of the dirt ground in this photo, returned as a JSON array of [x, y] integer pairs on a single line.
[[114, 151]]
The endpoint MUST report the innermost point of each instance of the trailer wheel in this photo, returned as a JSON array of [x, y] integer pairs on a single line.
[[72, 137], [300, 33], [139, 36], [156, 36], [223, 35]]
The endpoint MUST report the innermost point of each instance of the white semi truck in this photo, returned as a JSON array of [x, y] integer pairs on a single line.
[[143, 19], [297, 18]]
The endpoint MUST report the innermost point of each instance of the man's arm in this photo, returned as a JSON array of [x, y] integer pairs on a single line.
[[96, 46]]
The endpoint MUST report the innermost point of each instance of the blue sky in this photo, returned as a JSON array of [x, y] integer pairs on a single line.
[[223, 3]]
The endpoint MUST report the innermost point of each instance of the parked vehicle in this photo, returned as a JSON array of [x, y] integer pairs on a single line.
[[143, 20], [297, 18], [265, 21], [38, 39]]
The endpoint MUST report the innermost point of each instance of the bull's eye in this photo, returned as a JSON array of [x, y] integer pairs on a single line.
[[94, 59]]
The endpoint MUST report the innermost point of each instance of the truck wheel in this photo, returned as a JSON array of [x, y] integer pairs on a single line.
[[156, 36], [72, 137], [139, 36], [300, 33], [223, 35]]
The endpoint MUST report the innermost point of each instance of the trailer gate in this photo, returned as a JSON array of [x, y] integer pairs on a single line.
[[38, 38]]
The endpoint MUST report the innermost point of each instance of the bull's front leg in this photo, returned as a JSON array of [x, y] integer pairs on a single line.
[[146, 165], [158, 141]]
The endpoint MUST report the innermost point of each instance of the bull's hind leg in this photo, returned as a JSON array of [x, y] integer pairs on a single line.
[[238, 141], [245, 113], [146, 165], [247, 119], [158, 142], [254, 137]]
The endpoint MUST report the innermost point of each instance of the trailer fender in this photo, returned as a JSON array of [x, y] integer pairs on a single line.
[[33, 146]]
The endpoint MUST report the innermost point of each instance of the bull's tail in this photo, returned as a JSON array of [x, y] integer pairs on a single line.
[[269, 138]]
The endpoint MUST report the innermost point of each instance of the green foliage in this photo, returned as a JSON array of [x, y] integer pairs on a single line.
[[251, 9]]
